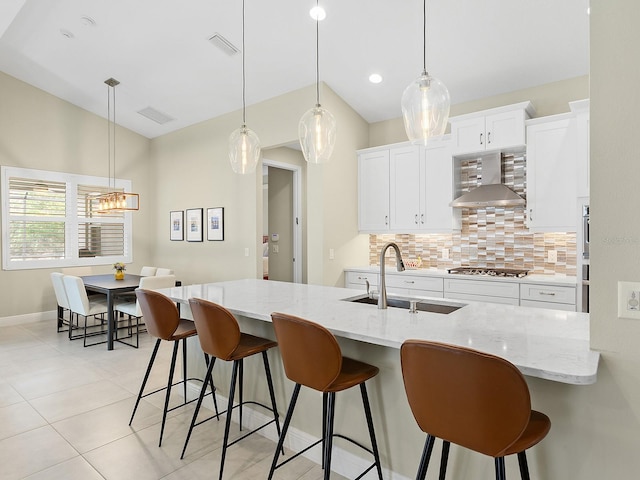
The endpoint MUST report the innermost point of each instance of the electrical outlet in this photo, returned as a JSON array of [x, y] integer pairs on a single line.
[[552, 256], [445, 254], [275, 249], [629, 300], [332, 254]]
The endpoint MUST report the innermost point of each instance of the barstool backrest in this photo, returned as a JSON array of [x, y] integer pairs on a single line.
[[464, 396], [58, 288], [148, 271], [218, 329], [164, 271], [310, 353], [160, 313]]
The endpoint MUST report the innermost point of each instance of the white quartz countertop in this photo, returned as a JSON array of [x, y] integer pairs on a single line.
[[555, 280], [549, 344]]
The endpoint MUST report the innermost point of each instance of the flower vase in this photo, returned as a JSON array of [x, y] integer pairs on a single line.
[[119, 275]]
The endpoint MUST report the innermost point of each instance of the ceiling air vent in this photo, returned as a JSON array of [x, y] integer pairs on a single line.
[[223, 44], [155, 115]]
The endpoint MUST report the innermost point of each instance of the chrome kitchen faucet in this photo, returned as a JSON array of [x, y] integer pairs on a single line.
[[382, 295]]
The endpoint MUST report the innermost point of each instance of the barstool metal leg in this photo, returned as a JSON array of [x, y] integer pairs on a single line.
[[500, 471], [184, 368], [285, 427], [325, 399], [267, 372], [146, 377], [444, 459], [213, 387], [241, 381], [232, 388], [168, 395], [524, 467], [331, 405], [372, 434], [199, 404], [426, 455]]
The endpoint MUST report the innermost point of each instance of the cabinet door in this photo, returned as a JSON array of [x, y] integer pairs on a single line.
[[505, 130], [404, 185], [468, 135], [583, 154], [436, 216], [551, 176], [373, 191]]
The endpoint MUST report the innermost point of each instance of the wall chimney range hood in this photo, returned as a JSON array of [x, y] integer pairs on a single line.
[[492, 193]]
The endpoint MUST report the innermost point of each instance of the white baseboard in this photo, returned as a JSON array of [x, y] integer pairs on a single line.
[[342, 462], [29, 318]]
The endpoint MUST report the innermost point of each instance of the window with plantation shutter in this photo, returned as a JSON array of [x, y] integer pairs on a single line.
[[50, 219]]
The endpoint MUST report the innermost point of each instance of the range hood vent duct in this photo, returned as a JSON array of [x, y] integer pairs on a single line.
[[492, 193]]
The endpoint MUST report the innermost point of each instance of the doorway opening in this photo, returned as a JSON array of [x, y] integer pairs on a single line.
[[282, 221]]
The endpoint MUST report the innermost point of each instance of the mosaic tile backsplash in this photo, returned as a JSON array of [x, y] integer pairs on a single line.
[[489, 237]]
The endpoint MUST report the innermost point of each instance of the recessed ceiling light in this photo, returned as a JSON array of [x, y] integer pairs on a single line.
[[66, 33], [318, 13], [375, 78]]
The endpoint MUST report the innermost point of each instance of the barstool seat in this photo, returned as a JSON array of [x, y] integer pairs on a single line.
[[312, 357], [470, 398], [220, 337]]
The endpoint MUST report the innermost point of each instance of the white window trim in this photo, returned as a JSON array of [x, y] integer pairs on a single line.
[[71, 222]]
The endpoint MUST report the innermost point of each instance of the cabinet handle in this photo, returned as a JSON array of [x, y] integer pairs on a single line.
[[416, 218], [488, 137], [531, 214], [548, 294], [422, 218], [386, 219], [363, 278], [481, 138], [409, 281]]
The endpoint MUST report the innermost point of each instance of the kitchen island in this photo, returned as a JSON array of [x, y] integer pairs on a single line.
[[550, 347]]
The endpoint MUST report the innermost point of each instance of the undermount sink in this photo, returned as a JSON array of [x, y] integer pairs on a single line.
[[422, 305]]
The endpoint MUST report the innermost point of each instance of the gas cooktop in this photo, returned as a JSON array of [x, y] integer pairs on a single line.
[[491, 272]]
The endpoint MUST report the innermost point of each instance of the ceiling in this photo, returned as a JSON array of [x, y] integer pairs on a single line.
[[159, 51]]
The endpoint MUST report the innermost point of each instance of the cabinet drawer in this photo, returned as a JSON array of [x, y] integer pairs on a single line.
[[415, 282], [360, 278], [544, 293], [482, 288], [555, 306], [482, 298]]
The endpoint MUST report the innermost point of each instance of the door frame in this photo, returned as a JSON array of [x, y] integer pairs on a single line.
[[297, 213]]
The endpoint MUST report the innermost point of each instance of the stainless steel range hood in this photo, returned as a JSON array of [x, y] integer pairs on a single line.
[[492, 193]]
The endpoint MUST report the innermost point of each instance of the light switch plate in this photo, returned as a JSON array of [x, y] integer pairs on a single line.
[[629, 300]]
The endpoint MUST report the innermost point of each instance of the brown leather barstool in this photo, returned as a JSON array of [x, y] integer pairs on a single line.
[[312, 357], [220, 337], [163, 322], [473, 399]]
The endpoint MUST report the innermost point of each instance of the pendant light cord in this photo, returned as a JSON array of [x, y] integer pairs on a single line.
[[424, 35], [109, 136], [317, 57], [244, 105]]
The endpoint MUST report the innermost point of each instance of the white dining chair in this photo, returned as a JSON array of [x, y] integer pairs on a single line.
[[164, 271], [80, 305], [148, 271], [61, 300], [132, 308]]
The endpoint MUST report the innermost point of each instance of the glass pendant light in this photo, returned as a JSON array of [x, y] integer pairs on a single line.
[[425, 102], [317, 127], [244, 145]]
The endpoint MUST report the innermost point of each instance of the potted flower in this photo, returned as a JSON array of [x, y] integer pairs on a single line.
[[119, 267]]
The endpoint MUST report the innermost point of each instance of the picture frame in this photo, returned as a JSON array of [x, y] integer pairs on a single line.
[[215, 224], [176, 225], [193, 224]]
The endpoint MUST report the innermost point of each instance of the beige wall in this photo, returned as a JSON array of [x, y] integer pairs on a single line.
[[281, 223], [548, 99], [40, 131]]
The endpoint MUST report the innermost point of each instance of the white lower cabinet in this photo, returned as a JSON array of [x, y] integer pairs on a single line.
[[482, 291], [358, 280], [548, 296]]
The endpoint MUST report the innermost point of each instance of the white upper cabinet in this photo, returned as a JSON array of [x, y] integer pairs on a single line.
[[551, 174], [373, 191], [581, 110], [406, 188], [494, 129]]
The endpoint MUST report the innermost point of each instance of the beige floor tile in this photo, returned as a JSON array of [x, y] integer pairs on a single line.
[[104, 425], [78, 400], [75, 469], [8, 395], [19, 418], [19, 458]]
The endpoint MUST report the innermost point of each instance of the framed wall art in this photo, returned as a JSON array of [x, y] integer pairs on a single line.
[[193, 224], [176, 225], [215, 224]]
